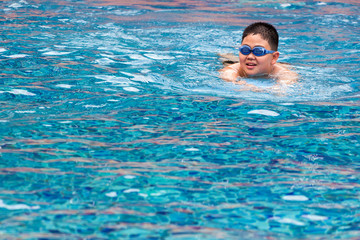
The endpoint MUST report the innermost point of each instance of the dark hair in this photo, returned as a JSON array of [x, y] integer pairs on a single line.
[[267, 32]]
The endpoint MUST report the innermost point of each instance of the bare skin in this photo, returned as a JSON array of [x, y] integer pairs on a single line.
[[251, 66]]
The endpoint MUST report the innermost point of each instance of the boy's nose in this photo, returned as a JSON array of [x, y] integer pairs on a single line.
[[251, 56]]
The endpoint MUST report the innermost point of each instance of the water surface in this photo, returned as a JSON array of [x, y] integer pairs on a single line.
[[114, 123]]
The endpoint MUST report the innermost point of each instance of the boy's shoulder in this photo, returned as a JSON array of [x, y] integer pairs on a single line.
[[284, 73]]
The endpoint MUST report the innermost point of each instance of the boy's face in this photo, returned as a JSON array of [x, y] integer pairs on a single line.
[[253, 65]]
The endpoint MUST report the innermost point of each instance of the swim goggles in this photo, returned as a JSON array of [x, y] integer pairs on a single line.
[[257, 51]]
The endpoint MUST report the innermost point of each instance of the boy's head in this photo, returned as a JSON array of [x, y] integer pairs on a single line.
[[258, 51], [266, 31]]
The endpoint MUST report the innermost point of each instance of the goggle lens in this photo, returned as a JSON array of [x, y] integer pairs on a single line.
[[259, 51], [245, 50]]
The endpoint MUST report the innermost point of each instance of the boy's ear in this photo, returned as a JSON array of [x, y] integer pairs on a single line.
[[275, 57]]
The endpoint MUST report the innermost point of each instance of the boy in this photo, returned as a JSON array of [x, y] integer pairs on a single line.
[[258, 58]]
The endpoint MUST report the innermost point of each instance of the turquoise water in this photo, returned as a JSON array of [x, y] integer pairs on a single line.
[[115, 125]]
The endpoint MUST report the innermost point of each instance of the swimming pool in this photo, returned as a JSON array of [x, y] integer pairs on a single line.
[[115, 125]]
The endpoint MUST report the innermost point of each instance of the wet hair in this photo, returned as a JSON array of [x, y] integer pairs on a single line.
[[266, 31]]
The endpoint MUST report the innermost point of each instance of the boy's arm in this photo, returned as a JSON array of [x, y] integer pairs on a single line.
[[286, 76], [230, 73], [284, 79]]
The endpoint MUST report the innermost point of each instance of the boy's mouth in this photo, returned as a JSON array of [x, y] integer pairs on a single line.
[[250, 65]]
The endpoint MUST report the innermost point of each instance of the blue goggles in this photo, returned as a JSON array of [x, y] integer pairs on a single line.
[[257, 51]]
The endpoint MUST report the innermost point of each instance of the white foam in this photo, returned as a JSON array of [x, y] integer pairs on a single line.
[[126, 13], [131, 190], [15, 5], [191, 149], [55, 53], [79, 21], [28, 111], [131, 89], [295, 198], [138, 60], [142, 78], [285, 5], [129, 176], [17, 56], [21, 92], [143, 195], [315, 217], [65, 122], [289, 221], [158, 57], [44, 50], [121, 81], [2, 50], [145, 71], [110, 90], [159, 193], [17, 206], [63, 85], [95, 106], [60, 46], [264, 112], [137, 57], [111, 194], [104, 61]]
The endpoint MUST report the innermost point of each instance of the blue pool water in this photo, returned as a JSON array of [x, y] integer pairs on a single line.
[[115, 125]]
